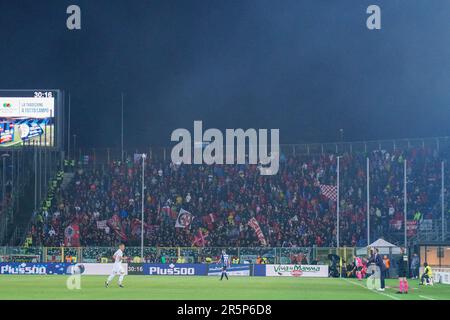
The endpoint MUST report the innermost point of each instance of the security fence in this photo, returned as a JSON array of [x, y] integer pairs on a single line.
[[162, 153], [289, 255]]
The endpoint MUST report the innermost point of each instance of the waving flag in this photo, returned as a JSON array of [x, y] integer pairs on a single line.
[[209, 220], [184, 219], [329, 191], [116, 225], [293, 219], [72, 235], [199, 239], [255, 225], [103, 225], [167, 211], [136, 227]]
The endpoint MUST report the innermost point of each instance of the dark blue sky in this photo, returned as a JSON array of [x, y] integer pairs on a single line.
[[305, 67]]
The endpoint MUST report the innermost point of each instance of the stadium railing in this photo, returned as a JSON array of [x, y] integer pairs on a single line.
[[199, 255], [105, 155], [278, 255]]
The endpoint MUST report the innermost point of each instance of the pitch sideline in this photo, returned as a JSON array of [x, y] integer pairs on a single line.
[[382, 293]]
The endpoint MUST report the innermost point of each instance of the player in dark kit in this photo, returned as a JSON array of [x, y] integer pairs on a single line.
[[225, 261], [402, 266], [376, 259]]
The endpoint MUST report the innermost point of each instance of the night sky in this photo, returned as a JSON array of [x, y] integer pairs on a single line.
[[308, 68]]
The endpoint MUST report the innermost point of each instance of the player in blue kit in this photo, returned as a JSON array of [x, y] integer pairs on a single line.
[[225, 261]]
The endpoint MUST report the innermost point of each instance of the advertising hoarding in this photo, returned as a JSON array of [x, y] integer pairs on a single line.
[[233, 270], [177, 269], [295, 270], [16, 268]]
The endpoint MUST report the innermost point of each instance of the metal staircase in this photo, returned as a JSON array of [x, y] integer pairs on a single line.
[[23, 226]]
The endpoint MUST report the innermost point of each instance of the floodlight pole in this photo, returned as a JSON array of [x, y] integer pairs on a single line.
[[337, 204], [74, 145], [368, 201], [442, 201], [121, 135], [68, 134], [142, 208], [405, 203], [35, 176], [337, 218]]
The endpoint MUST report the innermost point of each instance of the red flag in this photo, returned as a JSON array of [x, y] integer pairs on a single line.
[[209, 218], [72, 235], [136, 227], [166, 210], [255, 225], [116, 225], [212, 217], [199, 239], [329, 191]]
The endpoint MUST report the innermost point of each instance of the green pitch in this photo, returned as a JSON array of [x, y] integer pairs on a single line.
[[182, 288]]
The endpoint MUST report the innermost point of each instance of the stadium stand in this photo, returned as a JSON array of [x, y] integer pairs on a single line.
[[100, 206]]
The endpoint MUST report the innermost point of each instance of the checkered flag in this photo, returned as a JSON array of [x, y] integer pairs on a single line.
[[329, 191]]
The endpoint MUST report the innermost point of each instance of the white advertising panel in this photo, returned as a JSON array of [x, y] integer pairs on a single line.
[[442, 277], [101, 268], [27, 107], [296, 270]]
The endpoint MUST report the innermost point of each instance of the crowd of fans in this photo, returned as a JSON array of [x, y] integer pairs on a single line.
[[289, 207]]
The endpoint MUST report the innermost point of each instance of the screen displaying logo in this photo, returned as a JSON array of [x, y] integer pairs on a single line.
[[175, 269], [234, 270], [294, 270], [32, 116], [34, 268]]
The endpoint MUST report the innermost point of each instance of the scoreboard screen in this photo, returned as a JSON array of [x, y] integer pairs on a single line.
[[29, 117]]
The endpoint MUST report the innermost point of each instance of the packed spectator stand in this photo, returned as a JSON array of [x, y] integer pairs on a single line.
[[101, 205]]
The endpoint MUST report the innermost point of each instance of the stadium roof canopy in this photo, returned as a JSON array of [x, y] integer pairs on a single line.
[[380, 243]]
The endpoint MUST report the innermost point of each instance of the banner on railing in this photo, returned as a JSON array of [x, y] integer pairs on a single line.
[[295, 270]]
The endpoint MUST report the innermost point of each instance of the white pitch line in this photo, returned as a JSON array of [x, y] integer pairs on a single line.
[[379, 292], [428, 298]]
